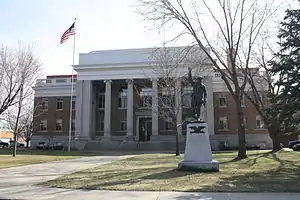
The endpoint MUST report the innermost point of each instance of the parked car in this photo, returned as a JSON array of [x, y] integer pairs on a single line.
[[4, 143], [293, 143], [42, 146], [296, 147], [18, 144], [58, 146]]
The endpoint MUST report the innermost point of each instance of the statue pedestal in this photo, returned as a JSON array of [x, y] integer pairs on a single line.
[[198, 156]]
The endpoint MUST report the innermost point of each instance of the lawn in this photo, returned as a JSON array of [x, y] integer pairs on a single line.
[[261, 172], [26, 156]]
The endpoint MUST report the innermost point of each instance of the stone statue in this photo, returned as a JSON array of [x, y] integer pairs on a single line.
[[198, 95]]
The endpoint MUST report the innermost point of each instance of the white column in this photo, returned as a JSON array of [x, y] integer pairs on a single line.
[[129, 107], [178, 106], [210, 106], [154, 108], [107, 111], [84, 113], [78, 108]]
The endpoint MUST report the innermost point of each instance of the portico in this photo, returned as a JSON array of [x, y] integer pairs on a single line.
[[118, 96]]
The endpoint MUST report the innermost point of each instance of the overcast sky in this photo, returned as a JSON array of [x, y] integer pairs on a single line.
[[101, 25]]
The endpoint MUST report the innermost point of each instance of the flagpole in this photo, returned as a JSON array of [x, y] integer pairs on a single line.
[[72, 88]]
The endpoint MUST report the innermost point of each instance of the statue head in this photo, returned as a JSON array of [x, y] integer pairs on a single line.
[[199, 80]]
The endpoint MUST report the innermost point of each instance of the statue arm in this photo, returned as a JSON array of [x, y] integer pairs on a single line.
[[205, 94]]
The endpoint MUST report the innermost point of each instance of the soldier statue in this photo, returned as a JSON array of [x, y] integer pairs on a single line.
[[198, 95]]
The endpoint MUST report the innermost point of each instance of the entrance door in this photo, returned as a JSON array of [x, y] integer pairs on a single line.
[[145, 129]]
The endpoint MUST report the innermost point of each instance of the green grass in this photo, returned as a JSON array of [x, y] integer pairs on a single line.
[[261, 172]]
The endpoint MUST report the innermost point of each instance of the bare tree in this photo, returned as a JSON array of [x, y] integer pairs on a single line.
[[174, 90], [24, 67], [262, 77], [26, 123], [228, 27]]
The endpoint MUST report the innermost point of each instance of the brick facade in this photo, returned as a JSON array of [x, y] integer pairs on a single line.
[[119, 114]]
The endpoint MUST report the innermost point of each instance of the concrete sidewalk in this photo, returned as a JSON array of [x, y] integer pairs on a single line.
[[19, 183]]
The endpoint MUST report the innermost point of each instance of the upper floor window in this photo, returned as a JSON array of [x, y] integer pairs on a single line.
[[59, 103], [43, 125], [167, 97], [146, 97], [217, 74], [187, 97], [61, 80], [122, 99], [222, 99], [101, 101], [259, 123], [223, 122], [44, 105]]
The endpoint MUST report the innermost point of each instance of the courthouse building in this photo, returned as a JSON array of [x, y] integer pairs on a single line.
[[116, 102]]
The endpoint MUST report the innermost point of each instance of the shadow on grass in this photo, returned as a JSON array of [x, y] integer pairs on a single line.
[[284, 178]]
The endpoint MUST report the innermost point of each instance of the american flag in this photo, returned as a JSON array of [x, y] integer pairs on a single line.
[[68, 33]]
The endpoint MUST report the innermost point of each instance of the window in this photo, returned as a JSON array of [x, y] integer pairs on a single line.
[[101, 126], [100, 122], [259, 123], [146, 97], [59, 103], [223, 123], [168, 124], [101, 101], [61, 80], [122, 99], [44, 104], [187, 97], [48, 81], [58, 126], [43, 125], [73, 125], [217, 75], [73, 103], [123, 125], [74, 80], [222, 100], [167, 97]]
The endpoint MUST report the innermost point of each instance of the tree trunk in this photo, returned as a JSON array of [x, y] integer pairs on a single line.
[[177, 152], [17, 121], [15, 145], [275, 137], [241, 132], [27, 143]]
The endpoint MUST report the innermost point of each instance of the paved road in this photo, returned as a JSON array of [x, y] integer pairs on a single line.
[[19, 183]]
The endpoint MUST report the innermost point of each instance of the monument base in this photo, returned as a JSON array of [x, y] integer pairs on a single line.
[[200, 166]]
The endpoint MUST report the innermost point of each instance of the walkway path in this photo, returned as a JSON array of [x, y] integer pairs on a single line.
[[19, 183]]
